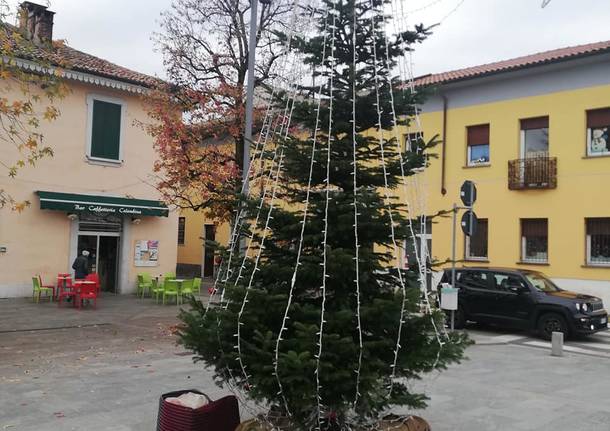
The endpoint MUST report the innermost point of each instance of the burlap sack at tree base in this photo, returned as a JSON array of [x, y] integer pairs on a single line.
[[413, 423]]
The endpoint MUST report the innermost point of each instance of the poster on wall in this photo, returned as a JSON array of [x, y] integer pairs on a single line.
[[146, 252]]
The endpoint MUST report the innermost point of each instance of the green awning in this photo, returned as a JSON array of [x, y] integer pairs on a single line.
[[101, 205]]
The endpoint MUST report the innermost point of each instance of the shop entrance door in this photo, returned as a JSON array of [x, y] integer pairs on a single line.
[[103, 257]]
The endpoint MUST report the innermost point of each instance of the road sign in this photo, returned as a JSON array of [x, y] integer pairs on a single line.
[[468, 193], [469, 223]]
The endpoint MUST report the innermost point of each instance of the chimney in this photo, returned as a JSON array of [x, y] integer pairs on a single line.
[[36, 22]]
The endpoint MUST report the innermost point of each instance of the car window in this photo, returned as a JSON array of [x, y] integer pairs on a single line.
[[447, 276], [503, 282], [475, 279], [541, 283]]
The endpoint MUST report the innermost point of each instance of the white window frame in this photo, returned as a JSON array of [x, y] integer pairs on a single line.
[[90, 99], [589, 152], [423, 248], [524, 257], [467, 248], [588, 253], [475, 163]]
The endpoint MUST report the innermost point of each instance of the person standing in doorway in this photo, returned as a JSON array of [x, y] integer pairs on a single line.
[[81, 266]]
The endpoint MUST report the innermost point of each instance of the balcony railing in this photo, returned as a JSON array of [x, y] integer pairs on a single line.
[[532, 173]]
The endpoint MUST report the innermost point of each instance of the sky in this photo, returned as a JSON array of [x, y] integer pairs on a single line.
[[471, 32]]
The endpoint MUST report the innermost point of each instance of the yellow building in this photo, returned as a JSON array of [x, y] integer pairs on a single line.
[[92, 194], [533, 134], [194, 257]]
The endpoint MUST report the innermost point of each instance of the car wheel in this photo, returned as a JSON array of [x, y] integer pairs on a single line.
[[552, 322]]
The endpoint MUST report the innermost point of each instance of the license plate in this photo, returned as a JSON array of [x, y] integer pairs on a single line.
[[604, 320]]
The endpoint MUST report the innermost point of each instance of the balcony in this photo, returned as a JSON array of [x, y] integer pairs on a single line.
[[538, 172]]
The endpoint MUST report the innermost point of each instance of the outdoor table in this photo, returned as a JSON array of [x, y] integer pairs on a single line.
[[179, 282]]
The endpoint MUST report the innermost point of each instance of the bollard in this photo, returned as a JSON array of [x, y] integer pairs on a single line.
[[557, 344]]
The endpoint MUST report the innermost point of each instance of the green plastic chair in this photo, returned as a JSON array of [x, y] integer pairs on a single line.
[[197, 285], [187, 289], [38, 288], [156, 290], [143, 285], [170, 288], [170, 275]]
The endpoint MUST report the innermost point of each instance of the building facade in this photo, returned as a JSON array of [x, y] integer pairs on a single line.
[[195, 256], [93, 194], [533, 134]]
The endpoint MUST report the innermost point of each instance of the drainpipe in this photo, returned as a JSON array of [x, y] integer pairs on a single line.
[[444, 146]]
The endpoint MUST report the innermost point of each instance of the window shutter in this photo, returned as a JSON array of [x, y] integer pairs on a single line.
[[478, 135], [535, 123], [534, 227], [106, 130], [598, 226], [598, 118]]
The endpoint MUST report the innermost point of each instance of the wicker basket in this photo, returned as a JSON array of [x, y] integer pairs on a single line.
[[220, 415]]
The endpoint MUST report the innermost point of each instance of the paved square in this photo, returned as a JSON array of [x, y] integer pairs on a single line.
[[104, 369]]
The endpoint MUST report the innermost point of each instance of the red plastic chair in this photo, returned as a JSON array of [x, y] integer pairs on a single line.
[[64, 292], [48, 286], [86, 291], [94, 277]]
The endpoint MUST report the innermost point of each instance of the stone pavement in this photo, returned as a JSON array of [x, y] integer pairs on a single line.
[[104, 369], [92, 369], [511, 382]]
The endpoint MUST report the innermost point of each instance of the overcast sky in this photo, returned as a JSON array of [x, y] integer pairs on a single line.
[[473, 31]]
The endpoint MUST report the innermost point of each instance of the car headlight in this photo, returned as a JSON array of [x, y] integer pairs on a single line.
[[582, 307]]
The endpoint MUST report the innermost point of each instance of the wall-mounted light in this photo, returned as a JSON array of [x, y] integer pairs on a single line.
[[72, 216], [136, 220]]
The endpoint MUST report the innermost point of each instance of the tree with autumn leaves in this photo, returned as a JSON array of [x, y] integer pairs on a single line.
[[198, 119], [27, 99]]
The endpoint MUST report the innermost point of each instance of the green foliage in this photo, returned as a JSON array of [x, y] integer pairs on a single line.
[[212, 335]]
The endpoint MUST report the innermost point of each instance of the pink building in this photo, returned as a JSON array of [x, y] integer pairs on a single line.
[[93, 193]]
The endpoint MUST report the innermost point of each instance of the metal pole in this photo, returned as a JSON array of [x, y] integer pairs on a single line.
[[454, 233], [250, 91]]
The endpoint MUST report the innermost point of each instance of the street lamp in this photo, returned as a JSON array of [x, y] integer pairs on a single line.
[[250, 89]]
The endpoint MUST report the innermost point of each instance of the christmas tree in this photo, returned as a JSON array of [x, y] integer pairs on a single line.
[[317, 321]]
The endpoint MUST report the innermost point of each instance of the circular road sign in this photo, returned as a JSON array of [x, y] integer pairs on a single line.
[[468, 193], [469, 223]]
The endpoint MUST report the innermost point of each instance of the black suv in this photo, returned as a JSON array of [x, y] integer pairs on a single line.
[[524, 299]]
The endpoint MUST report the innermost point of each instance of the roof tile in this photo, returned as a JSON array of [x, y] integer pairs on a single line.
[[513, 64]]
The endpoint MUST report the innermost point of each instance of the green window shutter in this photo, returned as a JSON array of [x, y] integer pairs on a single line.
[[106, 130]]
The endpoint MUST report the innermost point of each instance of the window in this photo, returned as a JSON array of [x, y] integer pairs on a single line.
[[475, 280], [478, 144], [598, 241], [535, 137], [476, 245], [413, 142], [420, 246], [540, 282], [598, 126], [181, 226], [507, 282], [534, 240], [104, 132]]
